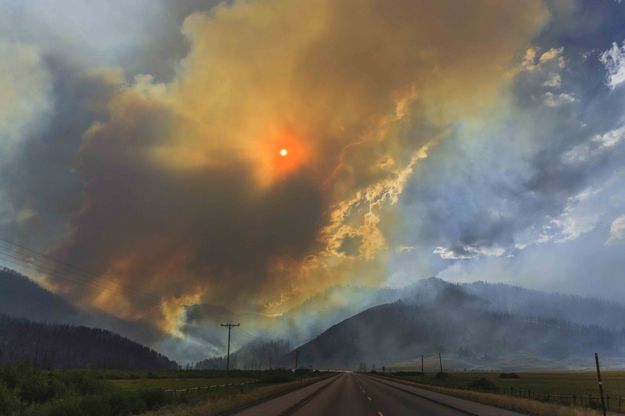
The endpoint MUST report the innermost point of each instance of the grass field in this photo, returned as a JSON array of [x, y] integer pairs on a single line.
[[579, 383], [562, 387], [176, 383], [234, 399], [28, 391]]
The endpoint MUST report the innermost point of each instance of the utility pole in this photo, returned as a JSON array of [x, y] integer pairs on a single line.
[[229, 325], [422, 372], [600, 383], [297, 351], [440, 361]]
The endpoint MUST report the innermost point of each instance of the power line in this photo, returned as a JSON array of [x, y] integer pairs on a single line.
[[20, 256], [49, 269]]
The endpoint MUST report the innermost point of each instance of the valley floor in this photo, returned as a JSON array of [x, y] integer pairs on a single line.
[[569, 390]]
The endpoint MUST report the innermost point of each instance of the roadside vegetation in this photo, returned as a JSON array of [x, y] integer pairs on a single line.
[[236, 399], [536, 393], [26, 391]]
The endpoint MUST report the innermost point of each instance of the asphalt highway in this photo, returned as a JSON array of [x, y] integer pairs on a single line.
[[349, 394]]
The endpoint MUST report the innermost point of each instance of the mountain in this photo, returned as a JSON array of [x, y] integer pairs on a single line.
[[445, 317], [517, 300], [495, 302], [258, 354], [340, 302], [22, 298], [66, 346]]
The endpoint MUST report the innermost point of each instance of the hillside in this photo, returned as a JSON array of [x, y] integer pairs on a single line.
[[66, 346], [451, 321], [340, 302], [517, 300], [20, 297], [255, 355]]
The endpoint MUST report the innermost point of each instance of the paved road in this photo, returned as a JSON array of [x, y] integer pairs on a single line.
[[350, 394]]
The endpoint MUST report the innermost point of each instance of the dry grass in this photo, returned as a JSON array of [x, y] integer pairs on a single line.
[[530, 407], [233, 400], [580, 383]]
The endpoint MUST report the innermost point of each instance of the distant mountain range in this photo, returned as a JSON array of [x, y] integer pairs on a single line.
[[341, 302], [462, 321], [516, 300], [476, 325]]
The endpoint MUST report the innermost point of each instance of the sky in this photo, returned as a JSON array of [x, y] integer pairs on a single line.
[[249, 155]]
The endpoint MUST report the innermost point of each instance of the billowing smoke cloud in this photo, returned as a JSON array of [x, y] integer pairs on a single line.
[[187, 198], [530, 194]]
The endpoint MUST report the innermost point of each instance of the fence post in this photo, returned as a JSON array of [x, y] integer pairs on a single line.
[[600, 383]]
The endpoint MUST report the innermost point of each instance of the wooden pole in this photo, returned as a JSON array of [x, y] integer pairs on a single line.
[[600, 383], [440, 361]]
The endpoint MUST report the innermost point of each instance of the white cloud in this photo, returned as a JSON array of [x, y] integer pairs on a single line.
[[579, 216], [611, 138], [617, 231], [553, 80], [614, 61], [468, 252], [556, 100], [595, 146], [449, 254], [534, 60]]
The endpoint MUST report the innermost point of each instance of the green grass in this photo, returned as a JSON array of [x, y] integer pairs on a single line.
[[236, 398], [543, 386], [175, 383], [566, 383], [28, 391]]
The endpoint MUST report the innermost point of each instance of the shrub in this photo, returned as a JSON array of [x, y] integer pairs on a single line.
[[68, 406], [154, 398], [8, 400], [509, 375], [40, 388], [10, 376]]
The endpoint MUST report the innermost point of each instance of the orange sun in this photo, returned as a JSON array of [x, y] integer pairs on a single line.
[[279, 154]]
